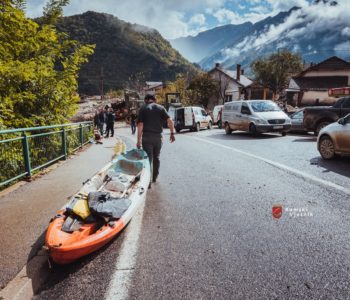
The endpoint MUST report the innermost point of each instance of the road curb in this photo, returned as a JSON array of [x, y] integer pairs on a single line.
[[29, 280]]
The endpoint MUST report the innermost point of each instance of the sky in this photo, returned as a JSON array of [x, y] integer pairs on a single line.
[[178, 18]]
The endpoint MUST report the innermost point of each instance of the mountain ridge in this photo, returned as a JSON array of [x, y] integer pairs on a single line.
[[316, 32], [122, 50]]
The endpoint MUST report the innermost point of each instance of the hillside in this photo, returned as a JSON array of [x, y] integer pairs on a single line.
[[209, 42], [316, 32], [122, 50]]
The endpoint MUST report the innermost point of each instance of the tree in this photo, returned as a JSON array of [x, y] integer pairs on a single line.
[[38, 68], [179, 85], [275, 70], [202, 88]]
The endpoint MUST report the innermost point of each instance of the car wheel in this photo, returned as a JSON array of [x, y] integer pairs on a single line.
[[252, 129], [210, 125], [198, 127], [326, 148], [284, 133], [177, 130], [228, 130], [320, 126]]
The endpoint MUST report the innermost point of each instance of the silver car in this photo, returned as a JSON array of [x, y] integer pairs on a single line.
[[297, 120], [334, 139]]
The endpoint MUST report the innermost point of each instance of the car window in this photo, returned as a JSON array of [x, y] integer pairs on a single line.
[[346, 103], [203, 113], [245, 109], [339, 103], [235, 106], [347, 118], [262, 106], [298, 115]]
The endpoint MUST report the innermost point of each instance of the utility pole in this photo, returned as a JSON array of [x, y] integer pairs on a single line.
[[101, 83]]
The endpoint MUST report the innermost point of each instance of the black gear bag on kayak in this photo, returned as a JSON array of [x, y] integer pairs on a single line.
[[102, 204]]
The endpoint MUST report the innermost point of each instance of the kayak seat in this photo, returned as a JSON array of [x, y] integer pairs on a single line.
[[135, 154], [128, 167], [115, 185]]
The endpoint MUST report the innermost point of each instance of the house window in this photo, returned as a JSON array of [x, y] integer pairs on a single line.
[[228, 98]]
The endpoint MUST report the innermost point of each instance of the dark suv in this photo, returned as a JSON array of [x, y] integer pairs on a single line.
[[317, 117]]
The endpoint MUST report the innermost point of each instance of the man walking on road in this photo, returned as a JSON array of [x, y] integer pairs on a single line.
[[151, 118], [132, 120]]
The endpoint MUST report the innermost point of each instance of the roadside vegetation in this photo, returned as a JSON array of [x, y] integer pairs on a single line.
[[275, 70], [38, 67], [38, 84], [194, 90]]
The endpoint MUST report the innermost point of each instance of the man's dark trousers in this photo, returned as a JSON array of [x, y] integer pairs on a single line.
[[133, 127], [152, 144], [110, 128]]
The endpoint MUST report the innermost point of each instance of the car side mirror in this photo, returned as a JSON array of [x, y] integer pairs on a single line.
[[342, 121]]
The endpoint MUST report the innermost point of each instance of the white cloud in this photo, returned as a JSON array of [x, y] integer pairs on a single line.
[[260, 9], [346, 31], [341, 48], [283, 5], [224, 15], [300, 25], [197, 19], [172, 18]]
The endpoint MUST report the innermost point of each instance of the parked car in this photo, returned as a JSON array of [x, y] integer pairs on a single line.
[[297, 119], [334, 139], [192, 117], [255, 116], [217, 115], [317, 117]]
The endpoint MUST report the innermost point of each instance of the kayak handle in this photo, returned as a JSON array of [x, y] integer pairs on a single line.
[[86, 181]]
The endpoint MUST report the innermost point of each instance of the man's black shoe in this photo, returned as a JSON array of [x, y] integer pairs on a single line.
[[154, 180]]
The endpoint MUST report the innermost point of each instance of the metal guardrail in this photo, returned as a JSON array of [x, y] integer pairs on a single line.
[[26, 150]]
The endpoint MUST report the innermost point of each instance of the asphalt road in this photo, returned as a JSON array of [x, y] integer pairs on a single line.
[[208, 232]]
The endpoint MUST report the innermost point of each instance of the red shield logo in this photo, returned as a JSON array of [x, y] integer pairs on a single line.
[[277, 211]]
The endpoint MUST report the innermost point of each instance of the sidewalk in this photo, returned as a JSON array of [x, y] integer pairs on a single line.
[[26, 211]]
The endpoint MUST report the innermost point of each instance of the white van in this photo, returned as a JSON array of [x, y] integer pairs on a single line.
[[255, 116], [192, 117]]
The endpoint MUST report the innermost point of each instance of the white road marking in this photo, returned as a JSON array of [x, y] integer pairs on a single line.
[[281, 166], [120, 282]]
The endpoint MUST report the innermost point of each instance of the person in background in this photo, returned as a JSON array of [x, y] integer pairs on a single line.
[[132, 119], [219, 122], [150, 122], [96, 120], [110, 118], [101, 120]]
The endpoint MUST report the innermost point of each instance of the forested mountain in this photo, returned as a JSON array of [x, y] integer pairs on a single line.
[[316, 32], [206, 43], [123, 50]]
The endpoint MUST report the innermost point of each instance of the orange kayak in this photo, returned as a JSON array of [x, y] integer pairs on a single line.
[[77, 232]]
